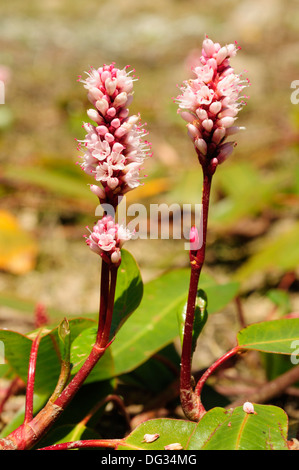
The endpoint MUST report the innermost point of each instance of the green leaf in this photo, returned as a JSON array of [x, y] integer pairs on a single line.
[[129, 290], [276, 336], [170, 431], [219, 429]]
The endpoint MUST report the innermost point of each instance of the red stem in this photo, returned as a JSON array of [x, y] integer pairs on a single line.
[[31, 379], [103, 298], [103, 337], [189, 400], [212, 368], [89, 443]]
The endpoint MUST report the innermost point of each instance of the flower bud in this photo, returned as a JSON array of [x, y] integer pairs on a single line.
[[110, 85], [120, 99], [94, 116], [102, 106], [201, 145], [207, 124], [98, 191], [221, 55], [208, 47], [193, 131]]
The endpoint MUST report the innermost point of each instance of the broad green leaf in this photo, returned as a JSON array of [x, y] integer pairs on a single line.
[[170, 431], [275, 336], [129, 290], [219, 429]]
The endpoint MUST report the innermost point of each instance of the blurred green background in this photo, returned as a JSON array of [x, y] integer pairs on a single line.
[[45, 199]]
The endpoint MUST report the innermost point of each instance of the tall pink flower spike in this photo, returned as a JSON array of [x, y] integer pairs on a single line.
[[114, 151], [114, 146], [211, 101]]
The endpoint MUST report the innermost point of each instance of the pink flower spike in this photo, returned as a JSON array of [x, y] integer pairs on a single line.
[[211, 101], [113, 148]]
